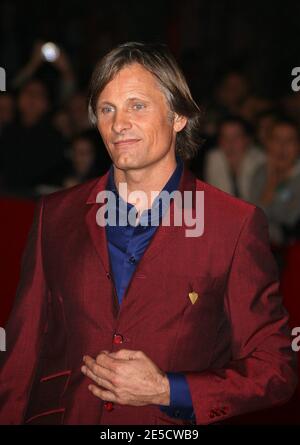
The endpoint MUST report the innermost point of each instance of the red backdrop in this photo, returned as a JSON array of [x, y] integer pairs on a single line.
[[15, 221]]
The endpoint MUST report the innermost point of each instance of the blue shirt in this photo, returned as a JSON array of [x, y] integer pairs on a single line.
[[126, 245]]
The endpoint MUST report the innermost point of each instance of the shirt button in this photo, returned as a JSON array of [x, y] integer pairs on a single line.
[[108, 275], [131, 259], [109, 406], [118, 338]]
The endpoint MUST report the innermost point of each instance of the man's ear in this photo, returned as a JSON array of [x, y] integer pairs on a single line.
[[179, 122]]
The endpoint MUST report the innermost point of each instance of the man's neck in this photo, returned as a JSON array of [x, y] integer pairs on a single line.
[[148, 180]]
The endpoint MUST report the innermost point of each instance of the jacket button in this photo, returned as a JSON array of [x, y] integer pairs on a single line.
[[109, 406], [118, 339]]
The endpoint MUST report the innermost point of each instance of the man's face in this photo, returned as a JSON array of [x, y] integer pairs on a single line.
[[83, 155], [283, 146], [264, 128], [232, 90], [33, 101], [134, 119], [233, 140], [77, 109]]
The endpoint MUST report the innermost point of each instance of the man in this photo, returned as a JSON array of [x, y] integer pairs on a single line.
[[172, 329]]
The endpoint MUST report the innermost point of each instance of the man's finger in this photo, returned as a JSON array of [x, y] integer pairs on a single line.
[[101, 369], [108, 396], [89, 361], [100, 372], [105, 360], [124, 354], [97, 379], [91, 364]]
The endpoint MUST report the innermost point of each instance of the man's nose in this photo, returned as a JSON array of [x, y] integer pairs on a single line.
[[121, 121]]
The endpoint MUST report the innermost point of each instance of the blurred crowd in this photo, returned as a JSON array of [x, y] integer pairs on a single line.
[[252, 151], [251, 147], [46, 139]]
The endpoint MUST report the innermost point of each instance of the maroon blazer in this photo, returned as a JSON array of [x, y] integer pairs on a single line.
[[233, 343]]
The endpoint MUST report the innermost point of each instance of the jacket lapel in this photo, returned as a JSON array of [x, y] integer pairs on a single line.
[[97, 232], [163, 234], [166, 233]]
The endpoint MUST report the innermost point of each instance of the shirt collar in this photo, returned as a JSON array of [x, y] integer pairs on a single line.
[[170, 186]]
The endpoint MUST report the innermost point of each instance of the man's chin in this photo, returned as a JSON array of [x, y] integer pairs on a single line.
[[126, 163]]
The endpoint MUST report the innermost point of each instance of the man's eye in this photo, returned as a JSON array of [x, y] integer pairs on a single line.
[[106, 110], [138, 106]]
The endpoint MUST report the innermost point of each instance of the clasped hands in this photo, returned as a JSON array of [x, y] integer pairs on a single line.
[[126, 377]]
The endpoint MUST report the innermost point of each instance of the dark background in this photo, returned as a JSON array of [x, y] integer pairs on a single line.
[[207, 36]]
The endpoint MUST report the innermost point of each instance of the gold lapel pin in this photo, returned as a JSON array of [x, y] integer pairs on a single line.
[[193, 297]]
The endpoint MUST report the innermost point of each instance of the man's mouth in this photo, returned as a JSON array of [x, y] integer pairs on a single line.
[[125, 142]]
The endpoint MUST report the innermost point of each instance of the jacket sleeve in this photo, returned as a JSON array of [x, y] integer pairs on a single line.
[[262, 368], [24, 329]]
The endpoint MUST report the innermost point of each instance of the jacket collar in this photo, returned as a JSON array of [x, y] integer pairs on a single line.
[[187, 183], [164, 234]]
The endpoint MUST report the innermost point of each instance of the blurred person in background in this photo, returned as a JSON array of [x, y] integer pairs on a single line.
[[264, 122], [79, 165], [252, 106], [62, 123], [230, 93], [276, 183], [82, 162], [77, 111], [84, 159], [291, 106], [30, 146], [52, 67], [231, 164], [72, 120]]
